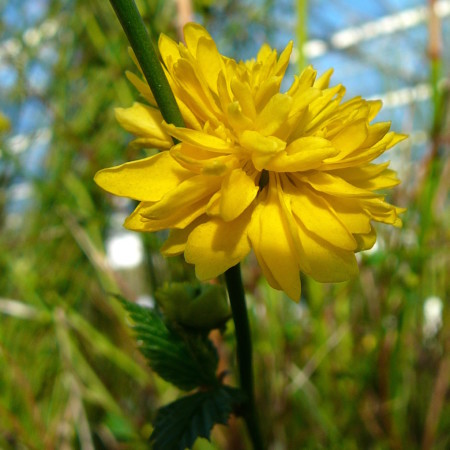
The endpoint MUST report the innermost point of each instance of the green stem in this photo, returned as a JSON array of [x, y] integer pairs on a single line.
[[244, 351], [147, 57], [140, 42]]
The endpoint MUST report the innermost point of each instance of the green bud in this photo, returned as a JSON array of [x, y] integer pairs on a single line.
[[194, 305]]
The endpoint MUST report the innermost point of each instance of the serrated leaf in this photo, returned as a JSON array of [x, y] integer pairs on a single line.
[[180, 423], [186, 360]]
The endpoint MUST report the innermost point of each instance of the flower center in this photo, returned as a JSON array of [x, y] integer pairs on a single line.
[[263, 179]]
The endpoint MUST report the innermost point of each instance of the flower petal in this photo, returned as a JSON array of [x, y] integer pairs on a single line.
[[237, 193], [194, 91], [142, 87], [324, 80], [176, 242], [198, 138], [244, 96], [200, 160], [209, 61], [316, 215], [147, 179], [274, 115], [366, 241], [327, 264], [193, 34], [371, 176], [168, 50], [273, 243], [350, 137], [177, 218], [301, 155], [351, 213], [194, 189], [144, 121], [215, 246], [283, 60], [333, 185], [262, 148]]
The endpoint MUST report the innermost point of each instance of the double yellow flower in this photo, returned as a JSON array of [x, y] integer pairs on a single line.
[[289, 175]]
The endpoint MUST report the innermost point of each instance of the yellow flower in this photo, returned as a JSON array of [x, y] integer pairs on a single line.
[[289, 175]]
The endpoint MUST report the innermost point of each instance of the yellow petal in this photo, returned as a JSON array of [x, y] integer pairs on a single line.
[[351, 213], [324, 104], [327, 264], [316, 215], [134, 220], [147, 179], [177, 218], [190, 119], [301, 155], [255, 230], [132, 55], [262, 148], [194, 189], [283, 60], [223, 91], [350, 137], [213, 206], [237, 120], [274, 115], [149, 143], [324, 80], [266, 90], [169, 51], [198, 138], [303, 82], [264, 53], [209, 61], [273, 243], [142, 87], [244, 96], [387, 179], [366, 241], [143, 121], [364, 156], [237, 192], [176, 242], [375, 133], [333, 185], [381, 211], [374, 108], [200, 160], [355, 174], [193, 33], [215, 246], [371, 176]]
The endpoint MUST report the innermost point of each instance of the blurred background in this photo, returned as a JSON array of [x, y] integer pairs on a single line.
[[358, 365]]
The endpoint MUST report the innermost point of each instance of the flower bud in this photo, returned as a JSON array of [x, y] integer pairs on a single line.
[[194, 305]]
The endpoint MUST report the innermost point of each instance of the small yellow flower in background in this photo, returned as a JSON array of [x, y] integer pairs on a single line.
[[289, 175]]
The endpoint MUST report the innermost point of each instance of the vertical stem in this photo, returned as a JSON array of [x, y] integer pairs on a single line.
[[140, 41], [147, 57], [302, 31], [244, 351]]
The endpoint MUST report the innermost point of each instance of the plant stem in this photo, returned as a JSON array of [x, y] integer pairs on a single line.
[[147, 57], [140, 41], [244, 351]]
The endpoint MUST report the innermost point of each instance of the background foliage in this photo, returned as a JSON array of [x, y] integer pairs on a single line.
[[364, 364]]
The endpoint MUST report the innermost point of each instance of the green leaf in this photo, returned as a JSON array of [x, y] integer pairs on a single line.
[[187, 360], [180, 423]]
